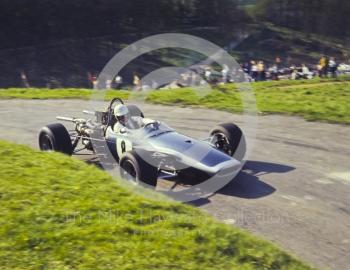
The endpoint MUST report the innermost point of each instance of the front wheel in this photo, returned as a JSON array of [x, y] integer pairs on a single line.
[[229, 139], [138, 171], [55, 137]]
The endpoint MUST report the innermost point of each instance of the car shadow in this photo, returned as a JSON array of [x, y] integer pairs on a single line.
[[247, 183], [260, 167]]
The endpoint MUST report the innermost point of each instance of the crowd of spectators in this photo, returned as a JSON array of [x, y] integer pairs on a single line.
[[253, 71], [258, 71]]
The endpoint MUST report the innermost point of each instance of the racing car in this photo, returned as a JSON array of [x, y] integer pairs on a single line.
[[150, 152]]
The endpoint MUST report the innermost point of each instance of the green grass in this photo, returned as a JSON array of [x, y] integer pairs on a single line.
[[325, 101], [64, 93], [318, 99], [59, 213]]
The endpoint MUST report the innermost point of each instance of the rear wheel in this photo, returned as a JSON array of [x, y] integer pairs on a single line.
[[229, 139], [55, 137], [136, 170]]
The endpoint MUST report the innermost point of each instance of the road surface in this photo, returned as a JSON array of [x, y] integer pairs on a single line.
[[294, 189]]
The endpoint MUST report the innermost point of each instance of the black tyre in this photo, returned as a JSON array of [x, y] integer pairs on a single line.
[[55, 137], [230, 139], [135, 111], [134, 169]]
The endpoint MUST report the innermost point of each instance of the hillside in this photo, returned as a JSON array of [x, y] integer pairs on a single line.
[[68, 62], [267, 41], [62, 44]]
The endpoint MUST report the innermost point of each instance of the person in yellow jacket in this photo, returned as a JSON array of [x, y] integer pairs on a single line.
[[322, 67]]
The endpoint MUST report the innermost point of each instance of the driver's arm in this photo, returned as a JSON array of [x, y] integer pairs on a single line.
[[141, 122], [146, 121], [117, 127]]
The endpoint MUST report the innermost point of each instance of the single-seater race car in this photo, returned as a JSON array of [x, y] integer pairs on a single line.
[[151, 151]]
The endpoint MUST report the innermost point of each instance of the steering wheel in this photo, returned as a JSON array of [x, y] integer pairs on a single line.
[[114, 102], [110, 110]]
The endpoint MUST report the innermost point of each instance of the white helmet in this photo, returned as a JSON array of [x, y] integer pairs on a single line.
[[120, 110]]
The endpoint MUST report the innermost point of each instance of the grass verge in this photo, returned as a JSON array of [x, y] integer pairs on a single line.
[[59, 213], [59, 93], [318, 99]]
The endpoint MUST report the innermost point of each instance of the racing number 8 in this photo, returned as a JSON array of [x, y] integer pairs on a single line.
[[123, 145]]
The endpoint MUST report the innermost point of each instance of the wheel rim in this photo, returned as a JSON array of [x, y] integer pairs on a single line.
[[46, 143], [128, 172], [221, 142]]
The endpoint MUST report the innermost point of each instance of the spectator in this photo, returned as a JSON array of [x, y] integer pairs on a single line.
[[24, 79], [194, 77], [261, 71], [247, 67], [274, 72], [322, 67], [276, 67], [207, 74], [333, 67], [108, 84], [326, 68], [254, 70], [294, 73], [305, 72], [137, 83], [94, 81], [278, 61], [319, 70], [224, 72], [118, 82]]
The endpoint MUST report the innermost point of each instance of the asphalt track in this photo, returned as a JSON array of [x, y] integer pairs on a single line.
[[294, 189]]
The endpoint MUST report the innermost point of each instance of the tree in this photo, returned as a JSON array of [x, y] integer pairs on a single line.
[[30, 22], [327, 17]]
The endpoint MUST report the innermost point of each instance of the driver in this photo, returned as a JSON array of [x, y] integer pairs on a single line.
[[124, 120]]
